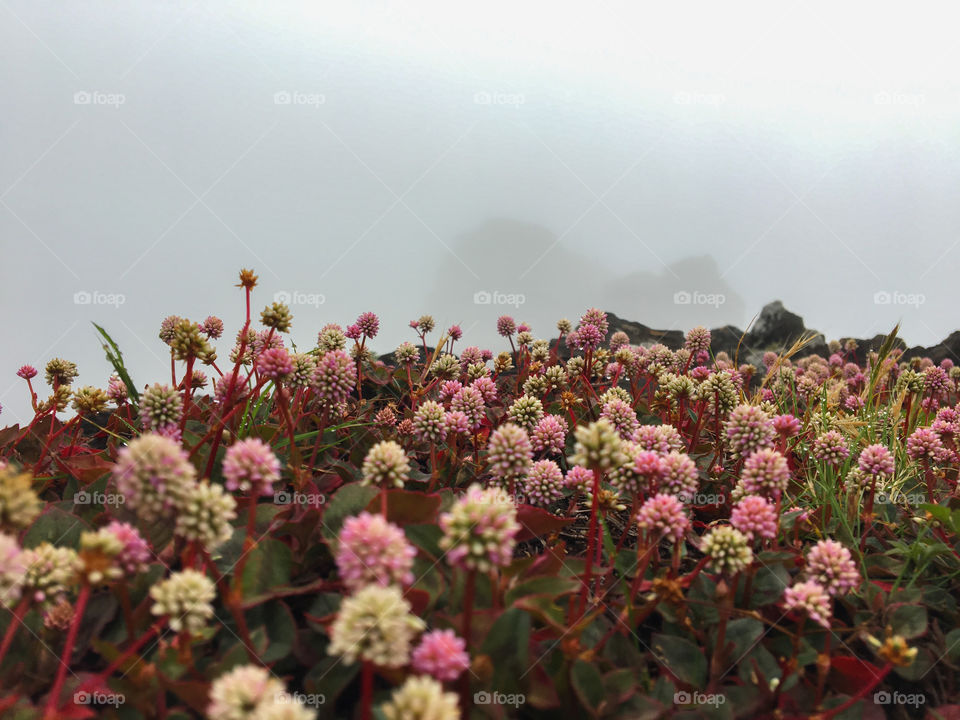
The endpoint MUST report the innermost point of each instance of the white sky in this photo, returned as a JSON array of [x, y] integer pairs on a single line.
[[608, 154]]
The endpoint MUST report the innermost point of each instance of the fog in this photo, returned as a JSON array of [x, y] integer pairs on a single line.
[[676, 165]]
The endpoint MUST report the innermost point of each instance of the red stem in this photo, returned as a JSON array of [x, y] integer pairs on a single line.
[[51, 710]]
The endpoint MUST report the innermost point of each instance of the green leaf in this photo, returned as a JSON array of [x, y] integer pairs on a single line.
[[588, 685], [56, 527], [682, 658], [350, 499], [267, 566], [509, 642], [544, 585], [910, 621], [116, 359], [743, 633]]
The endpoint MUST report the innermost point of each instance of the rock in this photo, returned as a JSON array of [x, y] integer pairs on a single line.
[[776, 328]]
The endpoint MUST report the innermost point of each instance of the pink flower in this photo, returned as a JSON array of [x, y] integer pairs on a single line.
[[549, 435], [663, 516], [334, 377], [251, 467], [509, 452], [749, 429], [212, 327], [136, 551], [27, 372], [755, 517], [506, 325], [371, 550], [455, 332], [621, 416], [487, 388], [598, 319], [369, 324], [469, 400], [765, 473], [832, 566], [876, 461], [831, 448], [544, 483], [274, 363], [579, 478], [924, 443], [588, 337], [809, 598], [441, 654]]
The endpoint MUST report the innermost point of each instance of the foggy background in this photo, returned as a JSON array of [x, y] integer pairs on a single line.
[[677, 164]]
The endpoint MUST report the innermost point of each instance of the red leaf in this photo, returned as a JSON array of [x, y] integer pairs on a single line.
[[408, 507], [535, 522], [853, 673], [419, 600]]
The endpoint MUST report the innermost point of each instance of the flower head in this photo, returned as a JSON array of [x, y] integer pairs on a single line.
[[334, 377], [663, 516], [748, 429], [386, 465], [51, 571], [153, 474], [206, 515], [275, 364], [811, 599], [728, 549], [185, 599], [765, 472], [598, 446], [506, 325], [470, 401], [13, 570], [755, 517], [441, 654], [479, 531], [876, 461], [373, 551], [160, 406], [509, 452], [832, 566], [135, 552], [375, 625], [421, 698], [526, 411], [277, 316], [831, 448], [244, 693], [622, 416], [369, 324], [429, 422], [544, 483], [549, 435], [19, 504], [250, 466]]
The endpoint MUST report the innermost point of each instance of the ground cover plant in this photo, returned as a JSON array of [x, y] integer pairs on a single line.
[[550, 528]]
